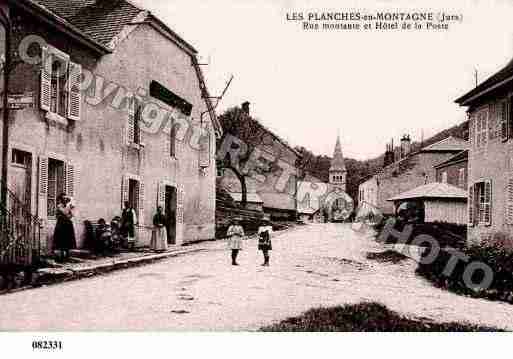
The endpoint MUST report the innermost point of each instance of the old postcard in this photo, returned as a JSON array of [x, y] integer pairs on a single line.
[[254, 166]]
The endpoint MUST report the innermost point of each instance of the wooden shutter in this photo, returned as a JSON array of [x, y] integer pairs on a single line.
[[503, 120], [42, 187], [204, 151], [124, 190], [140, 199], [471, 125], [70, 185], [488, 203], [130, 125], [471, 205], [510, 117], [509, 201], [161, 196], [180, 203], [46, 79], [74, 94]]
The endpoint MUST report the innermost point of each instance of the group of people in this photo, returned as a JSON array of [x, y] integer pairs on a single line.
[[64, 239], [235, 235]]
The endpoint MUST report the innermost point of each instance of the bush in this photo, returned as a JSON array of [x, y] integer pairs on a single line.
[[497, 257], [446, 234], [364, 317]]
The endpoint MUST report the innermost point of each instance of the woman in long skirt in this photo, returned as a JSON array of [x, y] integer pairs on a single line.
[[64, 234], [159, 234], [235, 235]]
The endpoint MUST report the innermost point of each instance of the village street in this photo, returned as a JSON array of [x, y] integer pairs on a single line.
[[311, 266]]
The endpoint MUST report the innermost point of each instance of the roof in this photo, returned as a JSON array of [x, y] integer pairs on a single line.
[[461, 156], [251, 197], [102, 20], [432, 190], [337, 163], [448, 144], [501, 77]]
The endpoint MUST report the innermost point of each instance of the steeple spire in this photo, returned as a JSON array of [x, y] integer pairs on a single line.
[[337, 163]]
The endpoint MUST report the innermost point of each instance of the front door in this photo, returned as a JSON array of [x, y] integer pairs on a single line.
[[170, 210]]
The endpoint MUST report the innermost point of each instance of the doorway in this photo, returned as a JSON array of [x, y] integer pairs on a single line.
[[20, 174], [170, 211]]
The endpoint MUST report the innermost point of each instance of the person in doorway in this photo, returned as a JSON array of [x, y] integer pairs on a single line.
[[235, 235], [159, 234], [128, 223], [265, 232], [64, 234]]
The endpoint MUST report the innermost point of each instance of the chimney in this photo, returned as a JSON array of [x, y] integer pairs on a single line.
[[405, 146], [245, 107]]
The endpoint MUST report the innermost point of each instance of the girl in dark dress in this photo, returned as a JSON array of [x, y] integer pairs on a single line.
[[64, 234]]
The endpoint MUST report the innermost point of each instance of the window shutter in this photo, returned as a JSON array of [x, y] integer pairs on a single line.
[[124, 191], [471, 205], [488, 203], [74, 94], [130, 125], [140, 198], [42, 187], [510, 118], [161, 196], [509, 202], [204, 152], [471, 131], [180, 202], [503, 124], [70, 180], [46, 79]]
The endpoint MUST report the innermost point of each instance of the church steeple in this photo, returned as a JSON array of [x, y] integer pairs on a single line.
[[337, 163], [338, 170]]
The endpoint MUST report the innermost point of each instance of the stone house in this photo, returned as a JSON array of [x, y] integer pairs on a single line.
[[120, 113], [490, 177], [454, 171], [413, 168]]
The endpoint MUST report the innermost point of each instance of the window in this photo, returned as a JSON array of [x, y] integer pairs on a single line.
[[58, 101], [443, 177], [137, 123], [60, 84], [21, 158], [172, 135], [481, 129], [480, 203], [56, 183], [461, 177], [133, 194]]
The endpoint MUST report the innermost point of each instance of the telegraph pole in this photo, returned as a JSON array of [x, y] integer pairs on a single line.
[[6, 23]]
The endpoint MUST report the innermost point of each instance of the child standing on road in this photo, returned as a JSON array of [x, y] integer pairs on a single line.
[[235, 234], [265, 232]]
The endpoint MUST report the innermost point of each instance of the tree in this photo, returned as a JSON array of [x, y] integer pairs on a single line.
[[243, 135]]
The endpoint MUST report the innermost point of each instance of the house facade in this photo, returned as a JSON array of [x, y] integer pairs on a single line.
[[107, 125], [490, 178]]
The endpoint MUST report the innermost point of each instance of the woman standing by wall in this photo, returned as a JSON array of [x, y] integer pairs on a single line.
[[159, 234], [64, 234]]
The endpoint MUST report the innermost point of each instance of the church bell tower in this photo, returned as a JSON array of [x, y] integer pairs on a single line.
[[338, 172]]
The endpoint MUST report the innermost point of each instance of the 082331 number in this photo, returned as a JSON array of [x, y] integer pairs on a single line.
[[47, 345]]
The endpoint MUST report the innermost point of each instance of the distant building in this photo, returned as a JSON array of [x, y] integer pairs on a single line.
[[412, 169], [275, 187]]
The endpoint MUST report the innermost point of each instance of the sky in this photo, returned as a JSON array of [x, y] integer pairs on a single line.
[[369, 87]]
